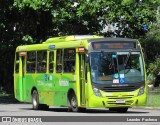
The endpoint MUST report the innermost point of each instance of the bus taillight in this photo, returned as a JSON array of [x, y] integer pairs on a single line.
[[22, 53]]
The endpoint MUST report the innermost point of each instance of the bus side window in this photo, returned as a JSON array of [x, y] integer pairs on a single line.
[[69, 60], [31, 62], [59, 61], [17, 63], [51, 62], [41, 61]]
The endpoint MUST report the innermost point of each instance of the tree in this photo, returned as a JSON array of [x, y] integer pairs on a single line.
[[27, 22], [151, 42], [6, 43], [151, 45], [91, 16], [130, 17]]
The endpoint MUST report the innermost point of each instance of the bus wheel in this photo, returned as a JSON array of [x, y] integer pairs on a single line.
[[121, 110], [69, 106], [73, 103], [35, 100]]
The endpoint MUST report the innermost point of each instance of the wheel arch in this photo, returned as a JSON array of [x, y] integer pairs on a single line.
[[33, 88], [70, 92]]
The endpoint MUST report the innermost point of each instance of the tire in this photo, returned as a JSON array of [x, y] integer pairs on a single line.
[[73, 105], [35, 102], [69, 106]]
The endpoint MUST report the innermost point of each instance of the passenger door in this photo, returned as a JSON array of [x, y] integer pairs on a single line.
[[82, 78], [21, 76]]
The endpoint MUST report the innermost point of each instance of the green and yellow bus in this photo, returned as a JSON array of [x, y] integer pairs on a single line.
[[81, 71]]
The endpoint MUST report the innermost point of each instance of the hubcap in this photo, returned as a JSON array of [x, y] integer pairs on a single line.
[[34, 100]]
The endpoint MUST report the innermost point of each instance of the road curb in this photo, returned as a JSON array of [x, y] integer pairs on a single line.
[[147, 108]]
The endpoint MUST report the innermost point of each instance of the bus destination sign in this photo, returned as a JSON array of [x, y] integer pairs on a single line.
[[113, 45]]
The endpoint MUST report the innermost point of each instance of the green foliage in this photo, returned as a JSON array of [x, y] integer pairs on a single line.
[[27, 38], [2, 92], [91, 16], [151, 43], [130, 16], [34, 4], [154, 68], [33, 21]]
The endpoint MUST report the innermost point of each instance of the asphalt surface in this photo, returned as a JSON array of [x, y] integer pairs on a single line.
[[22, 110]]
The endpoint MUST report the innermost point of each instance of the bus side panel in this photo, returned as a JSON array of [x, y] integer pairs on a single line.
[[57, 87], [67, 82], [46, 88], [49, 90], [30, 83], [38, 82], [17, 87]]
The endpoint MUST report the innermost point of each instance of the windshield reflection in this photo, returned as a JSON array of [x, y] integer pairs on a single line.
[[112, 67]]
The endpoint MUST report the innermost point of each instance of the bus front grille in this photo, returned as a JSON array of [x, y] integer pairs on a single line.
[[119, 89], [113, 103], [120, 97]]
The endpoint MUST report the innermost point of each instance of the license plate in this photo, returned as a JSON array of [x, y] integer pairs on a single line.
[[120, 101]]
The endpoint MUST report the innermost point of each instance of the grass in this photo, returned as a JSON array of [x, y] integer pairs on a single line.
[[153, 99], [3, 93], [7, 98]]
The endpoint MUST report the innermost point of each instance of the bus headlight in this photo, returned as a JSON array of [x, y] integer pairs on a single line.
[[141, 91], [97, 92]]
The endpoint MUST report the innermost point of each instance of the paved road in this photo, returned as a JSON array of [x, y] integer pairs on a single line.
[[26, 110]]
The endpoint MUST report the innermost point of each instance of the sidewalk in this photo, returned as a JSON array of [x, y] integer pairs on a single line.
[[146, 107]]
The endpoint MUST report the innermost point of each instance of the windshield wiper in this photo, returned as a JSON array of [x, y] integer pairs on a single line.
[[127, 58], [112, 65], [109, 59]]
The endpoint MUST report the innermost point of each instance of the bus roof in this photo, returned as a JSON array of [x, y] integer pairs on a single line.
[[73, 41], [60, 42], [70, 38], [116, 39]]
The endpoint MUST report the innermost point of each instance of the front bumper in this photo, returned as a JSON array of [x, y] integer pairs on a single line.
[[111, 101]]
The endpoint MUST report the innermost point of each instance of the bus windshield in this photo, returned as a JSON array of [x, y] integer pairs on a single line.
[[116, 67]]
